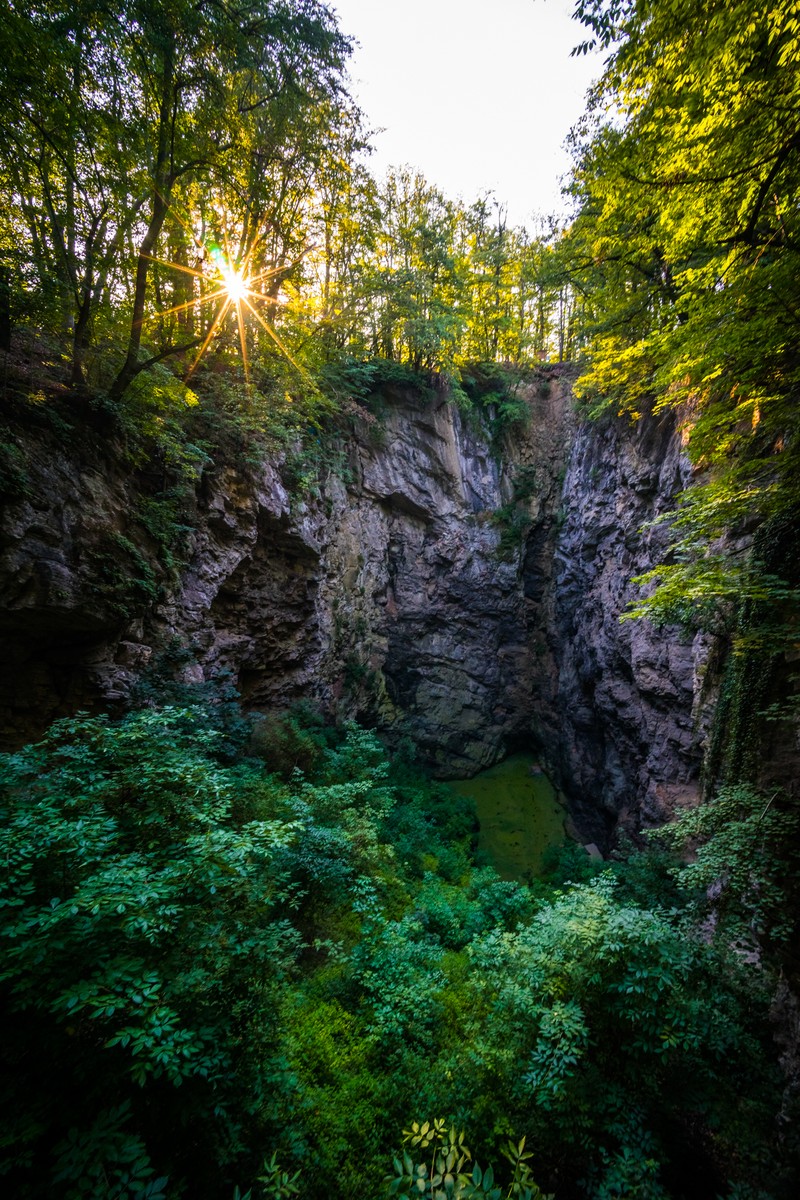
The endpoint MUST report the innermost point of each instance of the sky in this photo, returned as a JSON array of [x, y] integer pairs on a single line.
[[479, 95]]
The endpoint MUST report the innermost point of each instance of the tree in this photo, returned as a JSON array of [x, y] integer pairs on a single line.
[[151, 116], [70, 146], [685, 253], [418, 290], [143, 943]]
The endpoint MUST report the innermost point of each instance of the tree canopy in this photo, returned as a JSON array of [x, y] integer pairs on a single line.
[[685, 254], [155, 151], [155, 128]]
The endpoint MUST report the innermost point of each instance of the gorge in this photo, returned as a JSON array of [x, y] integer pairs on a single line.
[[442, 583], [450, 576], [340, 516]]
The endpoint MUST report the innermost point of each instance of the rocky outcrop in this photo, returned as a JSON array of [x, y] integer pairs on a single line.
[[55, 626], [384, 598], [626, 717], [443, 611], [462, 592]]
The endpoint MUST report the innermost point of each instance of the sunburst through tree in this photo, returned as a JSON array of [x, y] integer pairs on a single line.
[[235, 290]]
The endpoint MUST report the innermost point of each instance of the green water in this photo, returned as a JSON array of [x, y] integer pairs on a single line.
[[519, 813]]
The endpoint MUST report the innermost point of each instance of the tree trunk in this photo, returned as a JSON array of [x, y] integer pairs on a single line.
[[5, 309], [162, 183]]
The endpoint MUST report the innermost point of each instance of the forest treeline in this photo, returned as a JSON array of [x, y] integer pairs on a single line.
[[151, 147]]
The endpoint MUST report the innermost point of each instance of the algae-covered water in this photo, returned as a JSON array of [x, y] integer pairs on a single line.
[[519, 813]]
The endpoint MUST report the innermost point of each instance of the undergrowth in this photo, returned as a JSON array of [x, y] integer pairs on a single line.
[[246, 956]]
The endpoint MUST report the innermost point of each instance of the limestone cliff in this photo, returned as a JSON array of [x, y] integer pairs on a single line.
[[395, 594], [628, 708], [384, 598]]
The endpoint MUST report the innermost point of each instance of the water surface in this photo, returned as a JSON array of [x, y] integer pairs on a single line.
[[520, 815]]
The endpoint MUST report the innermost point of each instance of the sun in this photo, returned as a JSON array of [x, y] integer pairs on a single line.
[[236, 286], [229, 282], [233, 279]]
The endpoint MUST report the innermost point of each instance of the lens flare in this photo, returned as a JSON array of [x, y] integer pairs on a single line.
[[231, 286]]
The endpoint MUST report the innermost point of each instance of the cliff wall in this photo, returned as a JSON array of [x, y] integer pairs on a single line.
[[460, 591], [631, 704]]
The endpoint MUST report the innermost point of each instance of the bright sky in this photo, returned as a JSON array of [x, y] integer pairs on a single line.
[[479, 95]]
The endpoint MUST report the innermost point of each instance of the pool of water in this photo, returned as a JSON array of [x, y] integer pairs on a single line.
[[520, 815]]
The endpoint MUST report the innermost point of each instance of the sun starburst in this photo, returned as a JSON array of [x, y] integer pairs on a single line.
[[225, 278], [236, 286]]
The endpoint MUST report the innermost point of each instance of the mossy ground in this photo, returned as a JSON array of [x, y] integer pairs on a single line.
[[520, 816]]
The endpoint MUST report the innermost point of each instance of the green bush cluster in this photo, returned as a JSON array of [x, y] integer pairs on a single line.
[[242, 961]]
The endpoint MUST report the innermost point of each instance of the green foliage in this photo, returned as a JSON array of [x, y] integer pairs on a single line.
[[278, 1184], [147, 889], [447, 1174], [514, 522], [585, 967], [492, 390], [292, 741], [237, 961], [514, 519], [162, 519], [131, 928], [684, 252], [372, 379], [149, 417], [240, 423], [745, 860], [107, 1161]]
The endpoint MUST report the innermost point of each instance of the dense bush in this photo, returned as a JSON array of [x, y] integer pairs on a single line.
[[220, 971]]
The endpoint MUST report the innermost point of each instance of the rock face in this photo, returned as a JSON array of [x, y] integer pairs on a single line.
[[627, 714], [383, 598], [55, 631], [464, 593], [386, 598]]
